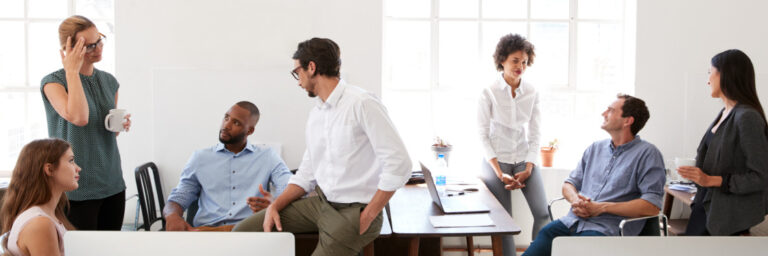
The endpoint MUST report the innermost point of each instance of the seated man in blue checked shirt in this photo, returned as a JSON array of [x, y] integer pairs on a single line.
[[618, 178], [228, 178]]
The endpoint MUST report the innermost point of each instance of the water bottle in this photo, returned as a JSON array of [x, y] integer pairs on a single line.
[[439, 173]]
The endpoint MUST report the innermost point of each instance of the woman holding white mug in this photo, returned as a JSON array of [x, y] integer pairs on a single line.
[[731, 171], [77, 98]]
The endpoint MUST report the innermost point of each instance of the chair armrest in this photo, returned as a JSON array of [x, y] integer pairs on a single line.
[[660, 216], [549, 207]]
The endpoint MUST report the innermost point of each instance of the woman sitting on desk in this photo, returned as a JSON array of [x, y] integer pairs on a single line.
[[33, 210], [508, 120], [731, 171]]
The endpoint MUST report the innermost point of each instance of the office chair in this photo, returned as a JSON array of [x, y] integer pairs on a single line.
[[148, 195], [656, 225], [192, 211]]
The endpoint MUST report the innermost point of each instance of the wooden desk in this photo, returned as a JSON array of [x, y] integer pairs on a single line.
[[676, 226], [411, 207]]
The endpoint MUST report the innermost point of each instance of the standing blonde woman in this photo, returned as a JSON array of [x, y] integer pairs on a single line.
[[33, 207], [509, 120], [77, 98]]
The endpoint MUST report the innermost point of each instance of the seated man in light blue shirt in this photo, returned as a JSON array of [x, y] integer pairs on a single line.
[[618, 178], [229, 178]]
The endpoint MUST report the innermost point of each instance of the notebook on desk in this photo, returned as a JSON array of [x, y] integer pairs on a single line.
[[449, 205]]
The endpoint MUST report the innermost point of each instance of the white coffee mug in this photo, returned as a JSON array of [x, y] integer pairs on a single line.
[[114, 120], [683, 161]]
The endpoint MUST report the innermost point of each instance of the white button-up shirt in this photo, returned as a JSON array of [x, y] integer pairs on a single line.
[[352, 149], [509, 126]]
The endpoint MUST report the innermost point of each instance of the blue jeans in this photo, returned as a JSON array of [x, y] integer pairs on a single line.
[[542, 246]]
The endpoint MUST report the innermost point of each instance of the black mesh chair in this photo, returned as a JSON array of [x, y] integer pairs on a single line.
[[150, 193], [655, 225]]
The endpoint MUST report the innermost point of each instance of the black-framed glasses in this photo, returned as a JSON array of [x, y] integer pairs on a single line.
[[98, 43], [295, 73]]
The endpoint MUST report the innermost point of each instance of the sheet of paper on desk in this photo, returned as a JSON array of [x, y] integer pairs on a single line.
[[461, 180], [461, 220]]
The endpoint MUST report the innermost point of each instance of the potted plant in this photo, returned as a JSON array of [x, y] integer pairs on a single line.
[[547, 153], [441, 147]]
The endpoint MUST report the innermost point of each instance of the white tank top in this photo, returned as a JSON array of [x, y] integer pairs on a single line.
[[23, 219]]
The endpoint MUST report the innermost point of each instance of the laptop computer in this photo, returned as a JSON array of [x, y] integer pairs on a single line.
[[450, 205]]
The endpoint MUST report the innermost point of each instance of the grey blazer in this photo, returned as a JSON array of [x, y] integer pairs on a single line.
[[738, 151]]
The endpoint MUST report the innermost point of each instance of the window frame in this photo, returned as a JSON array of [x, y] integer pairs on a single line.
[[31, 87], [573, 20], [625, 83]]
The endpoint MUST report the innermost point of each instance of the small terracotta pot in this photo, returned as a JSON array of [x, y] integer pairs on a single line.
[[547, 153]]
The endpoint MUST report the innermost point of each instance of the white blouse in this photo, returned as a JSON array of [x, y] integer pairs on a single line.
[[509, 126]]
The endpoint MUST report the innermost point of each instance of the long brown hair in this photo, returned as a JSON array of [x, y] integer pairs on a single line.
[[71, 26], [30, 186]]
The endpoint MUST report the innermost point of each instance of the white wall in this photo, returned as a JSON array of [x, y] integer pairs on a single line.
[[164, 41], [181, 64], [675, 42]]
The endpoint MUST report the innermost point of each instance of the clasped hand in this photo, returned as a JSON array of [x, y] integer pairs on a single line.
[[517, 181], [584, 207]]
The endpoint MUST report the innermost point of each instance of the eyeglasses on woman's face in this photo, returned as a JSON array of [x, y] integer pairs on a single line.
[[99, 43]]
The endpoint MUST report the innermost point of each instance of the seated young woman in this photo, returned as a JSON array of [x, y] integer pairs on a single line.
[[33, 208]]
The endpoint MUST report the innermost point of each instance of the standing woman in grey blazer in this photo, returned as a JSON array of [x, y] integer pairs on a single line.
[[731, 171]]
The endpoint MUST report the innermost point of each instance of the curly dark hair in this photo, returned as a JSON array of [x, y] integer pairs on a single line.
[[324, 52], [509, 44], [634, 107]]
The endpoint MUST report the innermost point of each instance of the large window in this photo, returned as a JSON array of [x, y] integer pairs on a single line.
[[438, 56], [30, 50]]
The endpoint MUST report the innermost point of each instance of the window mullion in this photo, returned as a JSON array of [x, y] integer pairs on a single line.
[[26, 43], [528, 21], [435, 44], [70, 7], [480, 42], [572, 43], [434, 60]]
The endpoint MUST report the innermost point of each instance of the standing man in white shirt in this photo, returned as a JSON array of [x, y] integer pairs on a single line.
[[508, 123], [354, 160]]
